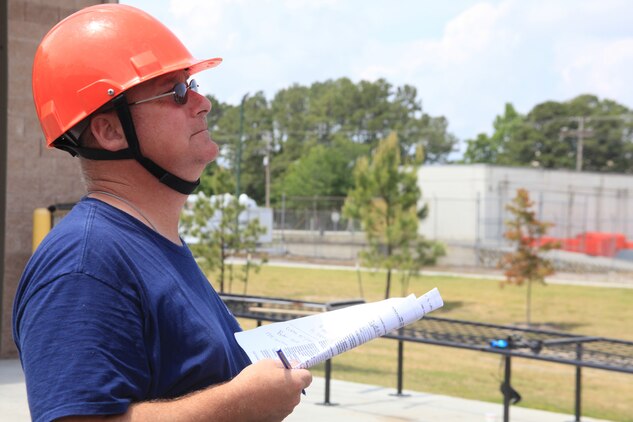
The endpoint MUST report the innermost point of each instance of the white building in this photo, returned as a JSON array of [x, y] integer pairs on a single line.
[[467, 202]]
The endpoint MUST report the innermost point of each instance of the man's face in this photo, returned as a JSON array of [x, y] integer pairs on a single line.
[[173, 135]]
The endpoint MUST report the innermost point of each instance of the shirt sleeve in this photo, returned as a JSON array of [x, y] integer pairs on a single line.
[[82, 349]]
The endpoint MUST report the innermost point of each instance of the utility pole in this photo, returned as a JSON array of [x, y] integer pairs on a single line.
[[267, 167], [266, 163], [579, 145], [238, 155], [581, 133]]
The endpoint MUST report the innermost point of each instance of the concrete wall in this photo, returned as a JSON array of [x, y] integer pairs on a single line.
[[342, 246], [35, 176]]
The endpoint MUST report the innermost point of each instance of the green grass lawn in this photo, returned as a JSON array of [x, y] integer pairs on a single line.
[[594, 311]]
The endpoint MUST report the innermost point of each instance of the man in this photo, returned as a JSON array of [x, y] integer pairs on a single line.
[[112, 317]]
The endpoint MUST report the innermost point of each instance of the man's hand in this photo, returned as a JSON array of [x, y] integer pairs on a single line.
[[272, 391]]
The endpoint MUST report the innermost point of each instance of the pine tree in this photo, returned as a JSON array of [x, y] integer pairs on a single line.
[[385, 199]]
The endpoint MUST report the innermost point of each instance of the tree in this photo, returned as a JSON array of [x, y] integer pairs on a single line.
[[256, 140], [324, 114], [215, 233], [322, 171], [492, 150], [385, 199], [607, 144], [216, 180], [547, 136], [526, 264]]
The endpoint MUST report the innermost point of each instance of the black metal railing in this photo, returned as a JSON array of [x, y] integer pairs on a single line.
[[509, 341]]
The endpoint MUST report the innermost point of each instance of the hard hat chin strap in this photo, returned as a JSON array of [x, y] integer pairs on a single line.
[[133, 151], [176, 183]]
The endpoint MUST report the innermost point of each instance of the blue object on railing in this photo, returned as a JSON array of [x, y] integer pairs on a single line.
[[499, 344]]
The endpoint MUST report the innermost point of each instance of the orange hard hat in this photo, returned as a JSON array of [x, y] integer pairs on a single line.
[[94, 55]]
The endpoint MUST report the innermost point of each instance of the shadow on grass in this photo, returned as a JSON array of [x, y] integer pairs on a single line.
[[449, 306], [343, 367], [551, 325]]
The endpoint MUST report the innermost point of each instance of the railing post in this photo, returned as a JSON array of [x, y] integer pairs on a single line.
[[259, 321], [506, 397], [328, 377], [400, 366], [578, 382]]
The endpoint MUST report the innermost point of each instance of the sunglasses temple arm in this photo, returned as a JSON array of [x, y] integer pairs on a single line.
[[153, 98]]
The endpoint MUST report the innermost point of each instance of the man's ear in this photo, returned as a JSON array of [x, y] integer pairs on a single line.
[[108, 132]]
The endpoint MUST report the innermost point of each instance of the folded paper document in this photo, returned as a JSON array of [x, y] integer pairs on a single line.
[[313, 339]]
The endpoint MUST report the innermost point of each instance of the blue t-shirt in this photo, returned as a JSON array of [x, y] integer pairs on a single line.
[[109, 312]]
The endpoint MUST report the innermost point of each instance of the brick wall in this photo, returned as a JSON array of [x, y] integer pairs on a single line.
[[35, 176]]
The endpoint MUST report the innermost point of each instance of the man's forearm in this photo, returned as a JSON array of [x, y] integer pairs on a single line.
[[262, 392]]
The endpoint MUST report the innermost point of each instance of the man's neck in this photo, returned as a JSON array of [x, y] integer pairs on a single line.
[[154, 204]]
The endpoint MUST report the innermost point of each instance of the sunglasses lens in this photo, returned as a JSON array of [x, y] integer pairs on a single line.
[[180, 93]]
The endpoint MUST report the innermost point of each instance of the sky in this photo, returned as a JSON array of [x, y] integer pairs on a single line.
[[466, 58]]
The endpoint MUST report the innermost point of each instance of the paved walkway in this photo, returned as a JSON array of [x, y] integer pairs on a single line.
[[350, 402], [610, 279]]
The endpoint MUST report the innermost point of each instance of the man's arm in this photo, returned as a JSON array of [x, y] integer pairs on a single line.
[[263, 391]]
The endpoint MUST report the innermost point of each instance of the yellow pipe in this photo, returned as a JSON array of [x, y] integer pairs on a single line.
[[41, 225]]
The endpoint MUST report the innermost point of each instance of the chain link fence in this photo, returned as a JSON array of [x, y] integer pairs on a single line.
[[594, 230], [313, 214], [481, 218]]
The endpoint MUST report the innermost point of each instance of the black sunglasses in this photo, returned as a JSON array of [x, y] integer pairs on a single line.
[[180, 93]]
